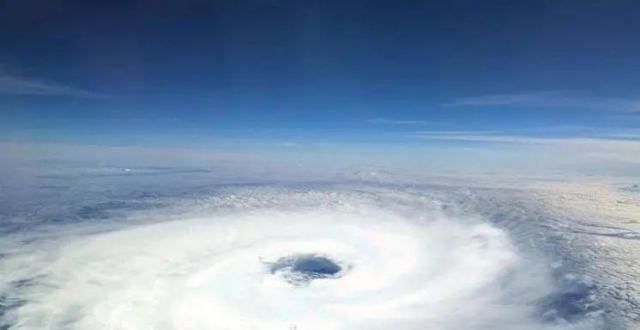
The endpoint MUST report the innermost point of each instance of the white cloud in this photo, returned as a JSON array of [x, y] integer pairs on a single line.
[[388, 121], [593, 154], [289, 144], [17, 85], [488, 137], [550, 99], [399, 252]]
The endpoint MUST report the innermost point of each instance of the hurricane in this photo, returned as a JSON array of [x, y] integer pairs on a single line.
[[286, 258]]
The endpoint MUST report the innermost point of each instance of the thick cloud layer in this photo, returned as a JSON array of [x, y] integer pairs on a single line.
[[407, 259]]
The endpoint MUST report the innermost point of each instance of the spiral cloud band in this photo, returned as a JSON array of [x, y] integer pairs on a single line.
[[281, 260]]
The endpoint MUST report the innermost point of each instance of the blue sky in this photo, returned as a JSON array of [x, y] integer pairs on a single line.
[[255, 74]]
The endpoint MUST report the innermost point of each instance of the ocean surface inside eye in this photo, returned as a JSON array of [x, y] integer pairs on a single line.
[[302, 268]]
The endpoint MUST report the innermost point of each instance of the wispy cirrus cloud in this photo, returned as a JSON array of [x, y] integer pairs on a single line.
[[408, 122], [600, 146], [528, 136], [550, 99], [20, 85], [476, 136]]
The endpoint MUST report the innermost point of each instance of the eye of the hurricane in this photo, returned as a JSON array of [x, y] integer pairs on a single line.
[[303, 268]]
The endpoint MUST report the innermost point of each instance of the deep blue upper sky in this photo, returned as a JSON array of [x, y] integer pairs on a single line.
[[200, 72]]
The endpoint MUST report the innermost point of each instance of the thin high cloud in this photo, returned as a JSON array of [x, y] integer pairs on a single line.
[[19, 85], [550, 99], [477, 136], [603, 146], [632, 136], [389, 121]]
